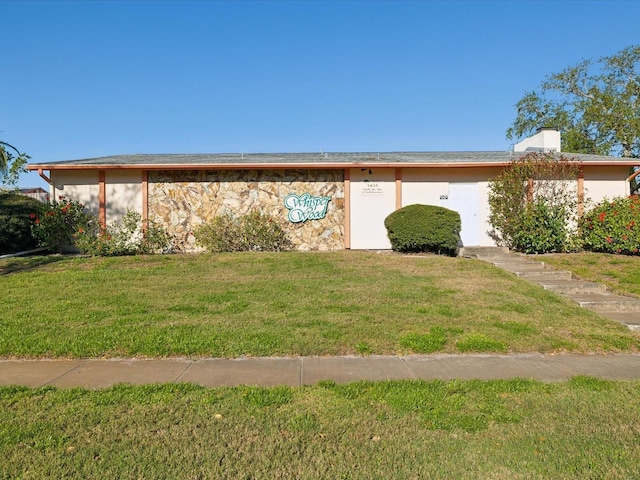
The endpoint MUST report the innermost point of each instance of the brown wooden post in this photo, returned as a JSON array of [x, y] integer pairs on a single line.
[[530, 190], [347, 208], [398, 188], [102, 199], [145, 196], [144, 185], [580, 191]]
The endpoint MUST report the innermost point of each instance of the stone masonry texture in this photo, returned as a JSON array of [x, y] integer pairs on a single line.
[[180, 201]]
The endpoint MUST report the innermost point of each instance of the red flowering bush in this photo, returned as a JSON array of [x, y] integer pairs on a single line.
[[613, 226], [56, 226]]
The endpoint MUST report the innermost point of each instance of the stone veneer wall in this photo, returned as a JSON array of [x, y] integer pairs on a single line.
[[182, 200]]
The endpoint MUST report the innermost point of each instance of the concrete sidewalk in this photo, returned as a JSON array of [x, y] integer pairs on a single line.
[[294, 371]]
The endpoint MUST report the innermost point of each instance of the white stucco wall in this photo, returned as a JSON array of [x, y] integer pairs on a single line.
[[545, 140], [80, 185], [601, 182], [373, 197], [432, 186], [123, 191], [428, 186]]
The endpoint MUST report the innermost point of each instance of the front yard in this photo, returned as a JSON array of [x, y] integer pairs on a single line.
[[307, 304], [293, 303]]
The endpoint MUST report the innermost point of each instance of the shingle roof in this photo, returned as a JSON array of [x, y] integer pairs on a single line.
[[312, 160]]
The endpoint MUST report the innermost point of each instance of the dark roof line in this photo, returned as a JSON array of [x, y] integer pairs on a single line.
[[355, 158]]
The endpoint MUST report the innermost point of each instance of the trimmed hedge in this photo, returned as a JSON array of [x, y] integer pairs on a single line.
[[424, 228], [16, 217]]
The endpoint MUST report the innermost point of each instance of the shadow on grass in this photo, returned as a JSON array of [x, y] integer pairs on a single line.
[[22, 264]]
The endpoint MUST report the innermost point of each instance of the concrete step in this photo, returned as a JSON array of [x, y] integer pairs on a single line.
[[574, 287], [501, 258], [536, 272], [630, 319], [521, 266], [607, 302], [513, 257], [485, 251], [537, 275], [524, 267]]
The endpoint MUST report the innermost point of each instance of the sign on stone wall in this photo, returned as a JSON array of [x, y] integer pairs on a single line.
[[306, 207], [181, 200]]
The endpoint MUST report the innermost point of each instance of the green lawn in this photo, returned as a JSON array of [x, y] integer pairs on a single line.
[[293, 303], [515, 429], [302, 304]]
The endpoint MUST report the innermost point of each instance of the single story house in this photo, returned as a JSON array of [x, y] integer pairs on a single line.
[[38, 193], [328, 201]]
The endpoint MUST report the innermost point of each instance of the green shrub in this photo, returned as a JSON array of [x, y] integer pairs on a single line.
[[613, 226], [130, 236], [57, 224], [533, 204], [254, 231], [543, 229], [424, 228], [17, 214]]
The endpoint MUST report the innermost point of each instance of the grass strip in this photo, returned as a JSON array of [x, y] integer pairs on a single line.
[[514, 429]]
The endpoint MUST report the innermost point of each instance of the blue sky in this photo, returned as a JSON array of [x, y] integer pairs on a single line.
[[82, 79]]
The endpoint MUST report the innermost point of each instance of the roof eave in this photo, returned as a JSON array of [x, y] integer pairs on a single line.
[[254, 166], [314, 166]]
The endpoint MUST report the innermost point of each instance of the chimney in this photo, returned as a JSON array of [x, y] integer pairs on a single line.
[[546, 139]]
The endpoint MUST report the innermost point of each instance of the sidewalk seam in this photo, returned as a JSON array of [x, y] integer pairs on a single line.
[[186, 369], [413, 374], [66, 373]]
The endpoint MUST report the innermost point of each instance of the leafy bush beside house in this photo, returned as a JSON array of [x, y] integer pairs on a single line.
[[254, 231], [543, 228], [57, 224], [613, 226], [533, 204], [66, 225], [424, 228], [130, 236], [17, 213]]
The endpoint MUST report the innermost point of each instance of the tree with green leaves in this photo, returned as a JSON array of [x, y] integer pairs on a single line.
[[595, 104], [12, 163]]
